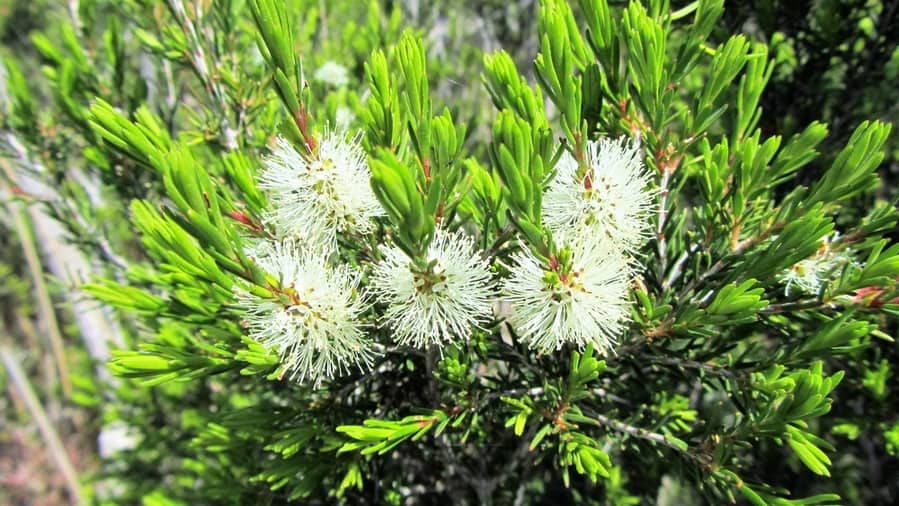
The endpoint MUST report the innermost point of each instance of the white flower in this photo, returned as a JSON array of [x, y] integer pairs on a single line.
[[809, 275], [312, 319], [439, 305], [611, 200], [332, 73], [586, 303], [315, 199], [116, 437]]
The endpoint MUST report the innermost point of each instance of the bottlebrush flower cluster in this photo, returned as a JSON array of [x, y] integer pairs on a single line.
[[318, 314], [598, 212], [810, 274], [440, 303], [316, 199], [606, 198]]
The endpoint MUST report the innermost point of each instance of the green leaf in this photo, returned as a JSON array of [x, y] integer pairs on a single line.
[[854, 170]]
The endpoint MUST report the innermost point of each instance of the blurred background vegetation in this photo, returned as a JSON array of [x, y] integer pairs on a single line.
[[836, 61]]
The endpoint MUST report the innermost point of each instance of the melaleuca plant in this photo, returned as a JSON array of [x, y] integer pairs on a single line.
[[614, 284]]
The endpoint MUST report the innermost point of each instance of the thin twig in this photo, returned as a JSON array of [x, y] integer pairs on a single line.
[[797, 305], [637, 432], [323, 20], [662, 241], [718, 266], [75, 18], [518, 392], [602, 392], [678, 267], [20, 382], [430, 363], [713, 369], [201, 64]]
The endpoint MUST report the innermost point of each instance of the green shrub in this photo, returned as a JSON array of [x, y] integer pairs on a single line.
[[342, 280]]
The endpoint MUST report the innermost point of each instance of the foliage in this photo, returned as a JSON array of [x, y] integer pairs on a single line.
[[720, 335], [834, 62]]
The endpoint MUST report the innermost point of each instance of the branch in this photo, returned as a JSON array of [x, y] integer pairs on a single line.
[[662, 241], [797, 306], [712, 369], [738, 250], [678, 267], [201, 66], [637, 432]]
